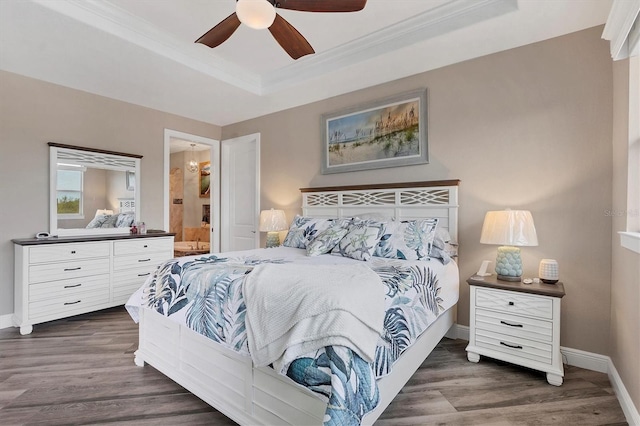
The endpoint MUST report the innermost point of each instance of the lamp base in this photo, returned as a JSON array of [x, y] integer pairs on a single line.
[[509, 264], [508, 278], [273, 239]]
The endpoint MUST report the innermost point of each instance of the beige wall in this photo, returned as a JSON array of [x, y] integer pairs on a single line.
[[625, 273], [528, 128], [33, 113]]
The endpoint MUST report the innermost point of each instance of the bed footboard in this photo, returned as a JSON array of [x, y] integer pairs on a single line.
[[222, 378], [257, 396]]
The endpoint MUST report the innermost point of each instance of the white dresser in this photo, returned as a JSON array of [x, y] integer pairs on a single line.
[[63, 277], [517, 323]]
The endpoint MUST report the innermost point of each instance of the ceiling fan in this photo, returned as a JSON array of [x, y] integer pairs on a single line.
[[260, 14]]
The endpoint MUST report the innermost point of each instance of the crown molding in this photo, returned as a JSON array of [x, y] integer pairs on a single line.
[[429, 24], [432, 23], [120, 23], [619, 28]]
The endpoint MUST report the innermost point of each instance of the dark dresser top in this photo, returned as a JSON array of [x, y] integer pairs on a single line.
[[86, 238]]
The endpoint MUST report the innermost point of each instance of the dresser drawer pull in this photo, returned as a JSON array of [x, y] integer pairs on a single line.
[[511, 346], [144, 275], [73, 269], [145, 246], [72, 286], [511, 303], [73, 252], [72, 303], [144, 260], [511, 325]]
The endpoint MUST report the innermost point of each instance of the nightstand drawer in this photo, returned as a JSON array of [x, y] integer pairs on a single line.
[[514, 325], [516, 303], [521, 348]]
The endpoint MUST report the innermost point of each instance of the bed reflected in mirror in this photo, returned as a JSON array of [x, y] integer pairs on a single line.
[[92, 191]]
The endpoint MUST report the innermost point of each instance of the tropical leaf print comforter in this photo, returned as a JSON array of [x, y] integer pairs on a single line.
[[205, 293]]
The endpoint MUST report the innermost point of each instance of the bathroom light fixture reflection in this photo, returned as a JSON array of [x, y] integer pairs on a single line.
[[192, 166]]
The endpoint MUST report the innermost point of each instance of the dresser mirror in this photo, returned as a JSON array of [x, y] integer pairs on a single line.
[[92, 192]]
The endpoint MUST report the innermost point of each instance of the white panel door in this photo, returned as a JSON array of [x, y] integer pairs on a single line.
[[240, 178]]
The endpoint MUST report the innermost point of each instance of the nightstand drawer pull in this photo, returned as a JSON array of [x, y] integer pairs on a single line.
[[511, 303], [72, 269], [72, 286], [72, 303], [144, 275], [511, 325], [144, 260], [511, 346]]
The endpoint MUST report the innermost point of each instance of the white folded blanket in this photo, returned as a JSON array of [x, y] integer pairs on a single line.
[[295, 309]]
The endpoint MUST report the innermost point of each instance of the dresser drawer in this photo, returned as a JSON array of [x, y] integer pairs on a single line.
[[45, 310], [514, 325], [126, 282], [140, 260], [72, 288], [66, 270], [516, 303], [142, 245], [66, 252], [516, 346]]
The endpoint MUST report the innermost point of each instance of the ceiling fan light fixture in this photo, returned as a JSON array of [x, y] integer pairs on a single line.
[[256, 14]]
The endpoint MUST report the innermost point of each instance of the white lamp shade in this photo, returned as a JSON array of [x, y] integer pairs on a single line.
[[256, 14], [272, 220], [509, 228]]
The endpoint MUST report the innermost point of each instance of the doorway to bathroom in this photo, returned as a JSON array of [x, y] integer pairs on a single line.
[[192, 192]]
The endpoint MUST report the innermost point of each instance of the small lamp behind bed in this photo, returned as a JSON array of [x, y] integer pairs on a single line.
[[509, 228], [273, 221]]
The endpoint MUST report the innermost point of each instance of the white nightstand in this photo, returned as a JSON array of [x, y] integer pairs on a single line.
[[518, 323]]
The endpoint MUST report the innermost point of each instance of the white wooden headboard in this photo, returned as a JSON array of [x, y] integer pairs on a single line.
[[402, 201], [126, 205]]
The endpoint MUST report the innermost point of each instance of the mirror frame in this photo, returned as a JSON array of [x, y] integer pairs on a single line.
[[98, 160]]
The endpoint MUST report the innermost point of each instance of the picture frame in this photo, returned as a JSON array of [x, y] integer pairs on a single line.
[[204, 181], [389, 132], [131, 181]]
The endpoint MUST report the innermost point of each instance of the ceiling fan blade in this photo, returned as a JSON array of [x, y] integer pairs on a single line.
[[289, 38], [322, 5], [221, 32]]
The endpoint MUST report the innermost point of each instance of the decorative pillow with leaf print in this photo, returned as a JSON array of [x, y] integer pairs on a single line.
[[326, 240], [407, 240], [359, 243], [303, 230]]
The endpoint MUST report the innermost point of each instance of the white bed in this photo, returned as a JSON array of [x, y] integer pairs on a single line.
[[249, 395]]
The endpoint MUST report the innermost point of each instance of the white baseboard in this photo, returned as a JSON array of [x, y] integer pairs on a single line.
[[6, 321], [588, 361], [628, 407]]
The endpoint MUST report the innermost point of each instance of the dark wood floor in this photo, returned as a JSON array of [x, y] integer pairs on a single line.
[[80, 371]]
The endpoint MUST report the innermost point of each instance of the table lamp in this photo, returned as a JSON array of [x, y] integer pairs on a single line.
[[509, 229], [272, 221]]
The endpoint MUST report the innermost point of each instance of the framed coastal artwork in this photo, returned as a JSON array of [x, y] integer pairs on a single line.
[[389, 132], [205, 178]]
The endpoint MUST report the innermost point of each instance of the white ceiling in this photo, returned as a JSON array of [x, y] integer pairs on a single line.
[[143, 51]]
